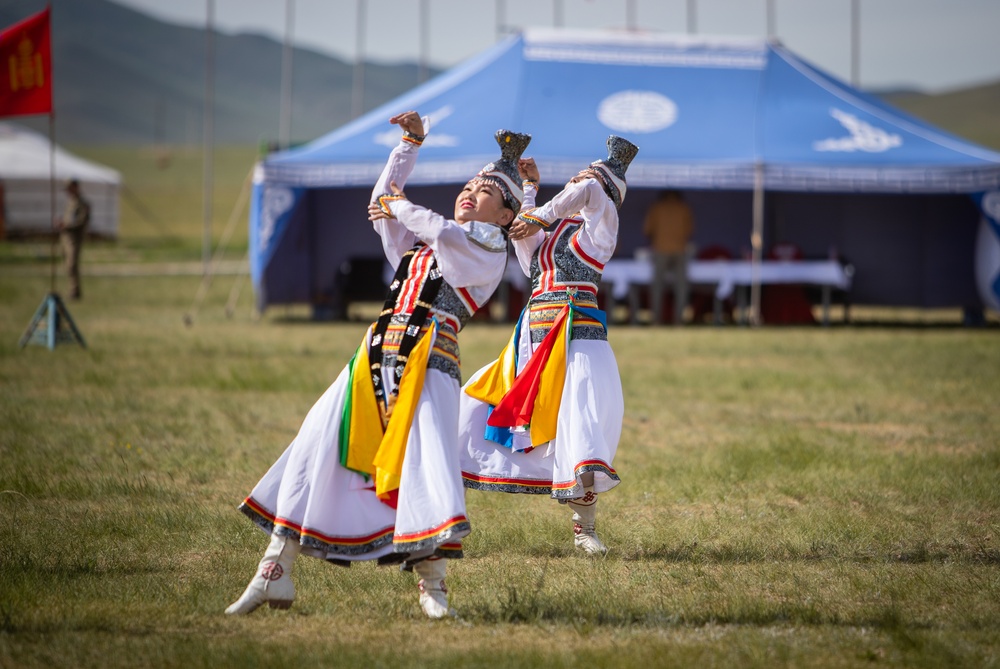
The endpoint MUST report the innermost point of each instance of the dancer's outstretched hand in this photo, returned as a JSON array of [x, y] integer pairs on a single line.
[[410, 122], [521, 229]]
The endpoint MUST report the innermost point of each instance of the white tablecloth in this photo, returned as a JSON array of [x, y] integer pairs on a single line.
[[725, 275]]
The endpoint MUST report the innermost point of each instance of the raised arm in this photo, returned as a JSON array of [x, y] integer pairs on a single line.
[[527, 238], [470, 254], [584, 194], [396, 239]]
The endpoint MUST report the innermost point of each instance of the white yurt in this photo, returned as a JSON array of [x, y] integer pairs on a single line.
[[25, 166]]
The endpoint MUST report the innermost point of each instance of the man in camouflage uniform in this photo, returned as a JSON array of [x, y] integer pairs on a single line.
[[72, 227]]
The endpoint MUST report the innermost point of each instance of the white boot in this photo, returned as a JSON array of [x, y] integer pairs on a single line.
[[584, 517], [273, 581], [433, 593]]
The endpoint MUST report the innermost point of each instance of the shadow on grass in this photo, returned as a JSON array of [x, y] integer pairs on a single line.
[[920, 552], [530, 605]]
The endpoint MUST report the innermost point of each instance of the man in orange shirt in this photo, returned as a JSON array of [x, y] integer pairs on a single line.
[[669, 224]]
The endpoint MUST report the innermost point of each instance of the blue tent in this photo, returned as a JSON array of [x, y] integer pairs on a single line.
[[727, 120]]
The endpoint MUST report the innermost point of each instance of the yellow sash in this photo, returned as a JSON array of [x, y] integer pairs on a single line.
[[496, 380], [388, 460], [370, 451], [365, 433]]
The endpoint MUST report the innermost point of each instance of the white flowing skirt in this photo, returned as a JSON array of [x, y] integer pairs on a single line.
[[334, 511], [588, 428]]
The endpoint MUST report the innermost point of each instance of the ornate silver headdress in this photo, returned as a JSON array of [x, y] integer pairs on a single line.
[[612, 169], [504, 172]]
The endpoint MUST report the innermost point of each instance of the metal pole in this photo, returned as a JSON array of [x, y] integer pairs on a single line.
[[424, 41], [757, 242], [692, 17], [358, 90], [52, 198], [557, 13], [856, 43], [285, 114], [501, 7], [771, 17], [630, 15], [206, 140]]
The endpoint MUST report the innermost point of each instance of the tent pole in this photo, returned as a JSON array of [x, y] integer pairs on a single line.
[[237, 287], [756, 241], [220, 250]]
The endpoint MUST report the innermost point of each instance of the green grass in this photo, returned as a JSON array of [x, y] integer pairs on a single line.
[[790, 497]]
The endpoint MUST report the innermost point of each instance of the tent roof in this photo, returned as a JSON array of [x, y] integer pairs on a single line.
[[704, 112], [24, 154]]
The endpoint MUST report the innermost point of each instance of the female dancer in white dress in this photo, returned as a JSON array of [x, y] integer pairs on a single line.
[[374, 472], [545, 418]]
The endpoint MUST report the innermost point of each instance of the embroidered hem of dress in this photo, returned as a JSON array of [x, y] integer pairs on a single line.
[[542, 488], [574, 489], [324, 548], [450, 534]]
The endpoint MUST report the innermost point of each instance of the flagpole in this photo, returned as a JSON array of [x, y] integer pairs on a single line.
[[52, 199], [52, 167], [52, 324]]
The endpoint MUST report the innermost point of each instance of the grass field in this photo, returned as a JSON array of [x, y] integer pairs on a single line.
[[790, 497]]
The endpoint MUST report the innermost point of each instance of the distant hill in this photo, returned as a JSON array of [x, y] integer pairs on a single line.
[[972, 113], [124, 77]]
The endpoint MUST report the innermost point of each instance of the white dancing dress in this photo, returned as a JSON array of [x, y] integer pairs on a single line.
[[564, 262], [309, 493]]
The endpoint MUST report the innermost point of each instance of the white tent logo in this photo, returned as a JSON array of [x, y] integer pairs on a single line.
[[991, 205], [277, 201], [637, 111], [864, 136]]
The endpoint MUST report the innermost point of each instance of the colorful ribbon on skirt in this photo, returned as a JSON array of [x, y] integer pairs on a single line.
[[531, 399], [366, 445]]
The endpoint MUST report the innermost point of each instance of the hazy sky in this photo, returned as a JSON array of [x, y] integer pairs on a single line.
[[935, 45]]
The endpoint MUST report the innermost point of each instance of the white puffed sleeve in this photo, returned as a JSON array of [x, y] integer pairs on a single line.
[[598, 235], [525, 248], [396, 239], [471, 254]]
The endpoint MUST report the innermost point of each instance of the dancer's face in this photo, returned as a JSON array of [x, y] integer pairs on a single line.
[[482, 201]]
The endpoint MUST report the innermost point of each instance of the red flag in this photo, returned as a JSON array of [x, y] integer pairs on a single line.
[[26, 67]]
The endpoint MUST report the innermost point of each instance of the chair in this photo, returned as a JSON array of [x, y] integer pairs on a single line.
[[702, 301], [785, 304], [360, 279], [640, 297]]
